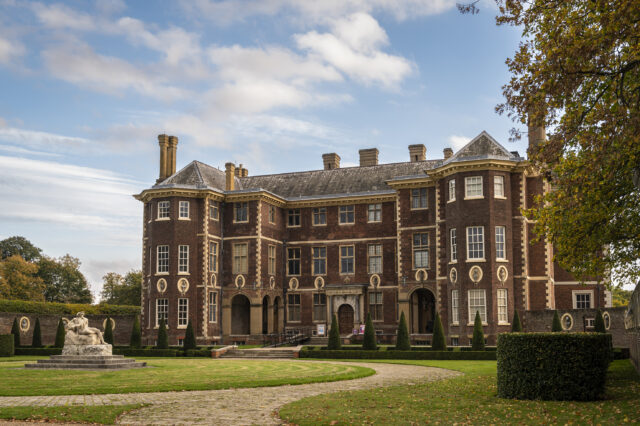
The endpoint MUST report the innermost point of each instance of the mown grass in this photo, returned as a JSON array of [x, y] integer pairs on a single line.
[[105, 414], [170, 374], [468, 399]]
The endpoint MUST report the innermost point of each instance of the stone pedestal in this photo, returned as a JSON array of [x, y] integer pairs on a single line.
[[87, 350]]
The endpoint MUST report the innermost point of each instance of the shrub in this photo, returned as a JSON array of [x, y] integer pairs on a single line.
[[42, 308], [15, 331], [553, 366], [392, 354], [38, 351], [478, 335], [516, 325], [60, 335], [556, 326], [163, 338], [369, 343], [599, 325], [37, 335], [334, 334], [198, 353], [136, 333], [146, 352], [402, 339], [108, 332], [6, 345], [189, 338], [439, 343]]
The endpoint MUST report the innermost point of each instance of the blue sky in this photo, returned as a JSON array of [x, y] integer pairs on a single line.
[[86, 87]]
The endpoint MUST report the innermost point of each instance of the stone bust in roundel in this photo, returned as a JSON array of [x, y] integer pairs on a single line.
[[78, 332]]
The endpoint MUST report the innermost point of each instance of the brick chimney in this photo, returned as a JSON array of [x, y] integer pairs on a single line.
[[331, 161], [417, 152], [171, 161], [230, 171], [368, 157], [163, 141], [448, 153]]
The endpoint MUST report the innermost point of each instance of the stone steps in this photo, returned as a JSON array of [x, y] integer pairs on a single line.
[[99, 362]]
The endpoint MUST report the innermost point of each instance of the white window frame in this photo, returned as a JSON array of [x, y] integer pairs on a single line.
[[292, 215], [345, 255], [238, 209], [183, 210], [477, 295], [498, 187], [183, 312], [213, 256], [452, 190], [574, 298], [271, 255], [475, 239], [376, 305], [349, 213], [376, 256], [501, 243], [165, 311], [213, 306], [164, 210], [319, 309], [419, 248], [214, 210], [183, 259], [240, 266], [319, 216], [320, 259], [272, 214], [453, 244], [294, 309], [473, 182], [455, 309], [419, 201], [374, 213], [503, 303], [162, 255], [290, 259]]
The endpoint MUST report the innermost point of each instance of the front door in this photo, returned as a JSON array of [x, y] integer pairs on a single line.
[[345, 319]]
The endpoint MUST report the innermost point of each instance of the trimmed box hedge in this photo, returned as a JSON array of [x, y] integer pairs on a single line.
[[6, 345], [147, 352], [553, 366], [43, 308], [38, 351], [361, 354]]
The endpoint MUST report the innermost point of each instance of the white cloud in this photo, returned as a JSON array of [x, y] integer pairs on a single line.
[[43, 141], [458, 141], [60, 16], [10, 50], [28, 152]]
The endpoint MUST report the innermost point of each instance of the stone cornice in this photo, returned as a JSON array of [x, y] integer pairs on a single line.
[[149, 194], [485, 164]]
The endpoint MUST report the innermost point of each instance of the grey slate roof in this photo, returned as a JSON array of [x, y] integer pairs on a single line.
[[483, 147]]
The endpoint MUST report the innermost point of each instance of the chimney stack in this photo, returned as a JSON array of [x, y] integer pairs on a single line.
[[331, 161], [163, 141], [241, 171], [417, 152], [230, 172], [368, 157], [448, 153], [173, 147]]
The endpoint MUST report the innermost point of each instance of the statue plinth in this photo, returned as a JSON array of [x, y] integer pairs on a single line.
[[87, 350]]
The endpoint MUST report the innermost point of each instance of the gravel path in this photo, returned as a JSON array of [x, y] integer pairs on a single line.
[[246, 406]]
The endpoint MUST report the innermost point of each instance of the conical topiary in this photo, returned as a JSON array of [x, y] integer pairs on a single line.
[[439, 342], [369, 343], [37, 335], [15, 330], [189, 337], [477, 344], [163, 339], [108, 332], [136, 334], [599, 325], [516, 326], [60, 335], [334, 335], [556, 326], [402, 339]]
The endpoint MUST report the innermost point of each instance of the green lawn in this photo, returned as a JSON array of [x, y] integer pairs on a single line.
[[106, 414], [469, 399], [170, 374]]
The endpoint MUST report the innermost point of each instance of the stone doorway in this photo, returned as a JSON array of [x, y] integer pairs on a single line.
[[345, 319], [423, 311], [265, 315], [240, 315]]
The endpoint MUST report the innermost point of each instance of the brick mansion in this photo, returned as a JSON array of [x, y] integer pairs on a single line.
[[247, 256]]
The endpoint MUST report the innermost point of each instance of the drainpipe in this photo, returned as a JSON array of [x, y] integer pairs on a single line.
[[285, 305], [221, 264]]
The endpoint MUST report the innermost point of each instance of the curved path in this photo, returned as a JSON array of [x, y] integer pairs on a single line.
[[235, 406]]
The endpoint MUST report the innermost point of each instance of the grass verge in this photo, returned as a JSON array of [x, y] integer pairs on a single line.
[[469, 399], [103, 414]]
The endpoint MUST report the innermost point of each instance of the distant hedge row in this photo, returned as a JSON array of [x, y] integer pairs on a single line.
[[44, 308], [6, 345], [416, 355]]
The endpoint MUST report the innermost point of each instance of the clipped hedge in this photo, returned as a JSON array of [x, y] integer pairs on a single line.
[[6, 345], [146, 352], [553, 366], [38, 351], [198, 353], [362, 354], [44, 308]]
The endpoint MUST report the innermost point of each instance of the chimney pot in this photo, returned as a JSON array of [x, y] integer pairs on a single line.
[[163, 141], [368, 157], [331, 161], [230, 173], [171, 161], [448, 153], [417, 152]]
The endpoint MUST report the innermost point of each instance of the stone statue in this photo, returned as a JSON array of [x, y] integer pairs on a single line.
[[78, 332]]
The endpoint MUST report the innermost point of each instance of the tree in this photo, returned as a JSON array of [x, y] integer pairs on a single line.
[[477, 343], [402, 338], [18, 280], [577, 74], [136, 334], [163, 339], [439, 342], [620, 296], [15, 330], [369, 343], [119, 290], [599, 325], [63, 279], [516, 326], [189, 338], [556, 326], [108, 332], [60, 335], [37, 335], [19, 246], [334, 335]]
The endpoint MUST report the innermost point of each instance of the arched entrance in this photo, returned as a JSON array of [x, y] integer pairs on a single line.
[[345, 319], [265, 315], [423, 311], [240, 315], [276, 315]]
